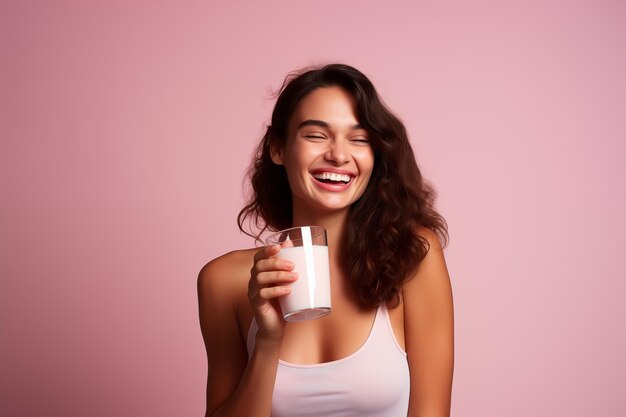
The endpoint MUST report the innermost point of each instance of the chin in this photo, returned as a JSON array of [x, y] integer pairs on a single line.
[[334, 206]]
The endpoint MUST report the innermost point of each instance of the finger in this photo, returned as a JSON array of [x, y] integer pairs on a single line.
[[274, 264], [266, 251], [276, 277], [270, 293]]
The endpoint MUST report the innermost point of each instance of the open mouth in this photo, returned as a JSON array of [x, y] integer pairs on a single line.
[[332, 178]]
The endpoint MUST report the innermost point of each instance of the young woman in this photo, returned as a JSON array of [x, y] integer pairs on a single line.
[[387, 347]]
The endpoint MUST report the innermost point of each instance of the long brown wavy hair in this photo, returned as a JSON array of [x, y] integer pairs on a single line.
[[381, 247]]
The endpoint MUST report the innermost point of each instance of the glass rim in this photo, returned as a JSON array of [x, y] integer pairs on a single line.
[[273, 238]]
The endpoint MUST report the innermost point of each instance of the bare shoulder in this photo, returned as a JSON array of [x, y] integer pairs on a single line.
[[431, 237], [225, 276], [222, 297], [432, 272]]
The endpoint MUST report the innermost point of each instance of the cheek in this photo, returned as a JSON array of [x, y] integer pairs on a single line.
[[367, 162], [300, 157], [295, 165]]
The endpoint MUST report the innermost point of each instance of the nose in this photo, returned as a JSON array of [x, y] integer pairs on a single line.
[[337, 152]]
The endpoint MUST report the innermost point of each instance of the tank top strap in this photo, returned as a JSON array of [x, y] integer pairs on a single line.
[[384, 321], [251, 335]]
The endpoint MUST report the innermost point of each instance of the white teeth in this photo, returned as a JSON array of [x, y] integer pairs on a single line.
[[332, 176]]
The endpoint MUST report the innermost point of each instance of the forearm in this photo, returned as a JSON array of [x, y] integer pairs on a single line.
[[253, 396]]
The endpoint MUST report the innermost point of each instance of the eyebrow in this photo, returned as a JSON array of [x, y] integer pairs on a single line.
[[323, 124]]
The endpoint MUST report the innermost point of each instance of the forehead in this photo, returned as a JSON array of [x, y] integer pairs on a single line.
[[332, 105]]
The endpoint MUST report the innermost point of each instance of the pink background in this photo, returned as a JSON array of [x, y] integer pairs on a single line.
[[126, 128]]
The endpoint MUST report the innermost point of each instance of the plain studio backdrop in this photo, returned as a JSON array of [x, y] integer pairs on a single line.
[[127, 126]]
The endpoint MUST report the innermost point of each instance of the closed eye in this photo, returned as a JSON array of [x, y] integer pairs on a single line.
[[360, 140], [314, 137]]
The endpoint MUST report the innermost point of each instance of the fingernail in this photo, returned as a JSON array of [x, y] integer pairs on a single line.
[[289, 264]]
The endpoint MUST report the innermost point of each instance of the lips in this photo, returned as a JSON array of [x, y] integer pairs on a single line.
[[332, 179]]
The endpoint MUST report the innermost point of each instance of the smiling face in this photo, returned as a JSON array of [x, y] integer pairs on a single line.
[[327, 154]]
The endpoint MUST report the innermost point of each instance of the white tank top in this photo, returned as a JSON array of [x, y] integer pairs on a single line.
[[371, 382]]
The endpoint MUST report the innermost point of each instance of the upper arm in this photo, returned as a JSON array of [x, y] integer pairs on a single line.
[[429, 333], [226, 351]]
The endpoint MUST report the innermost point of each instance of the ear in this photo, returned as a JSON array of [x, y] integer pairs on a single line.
[[276, 153]]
